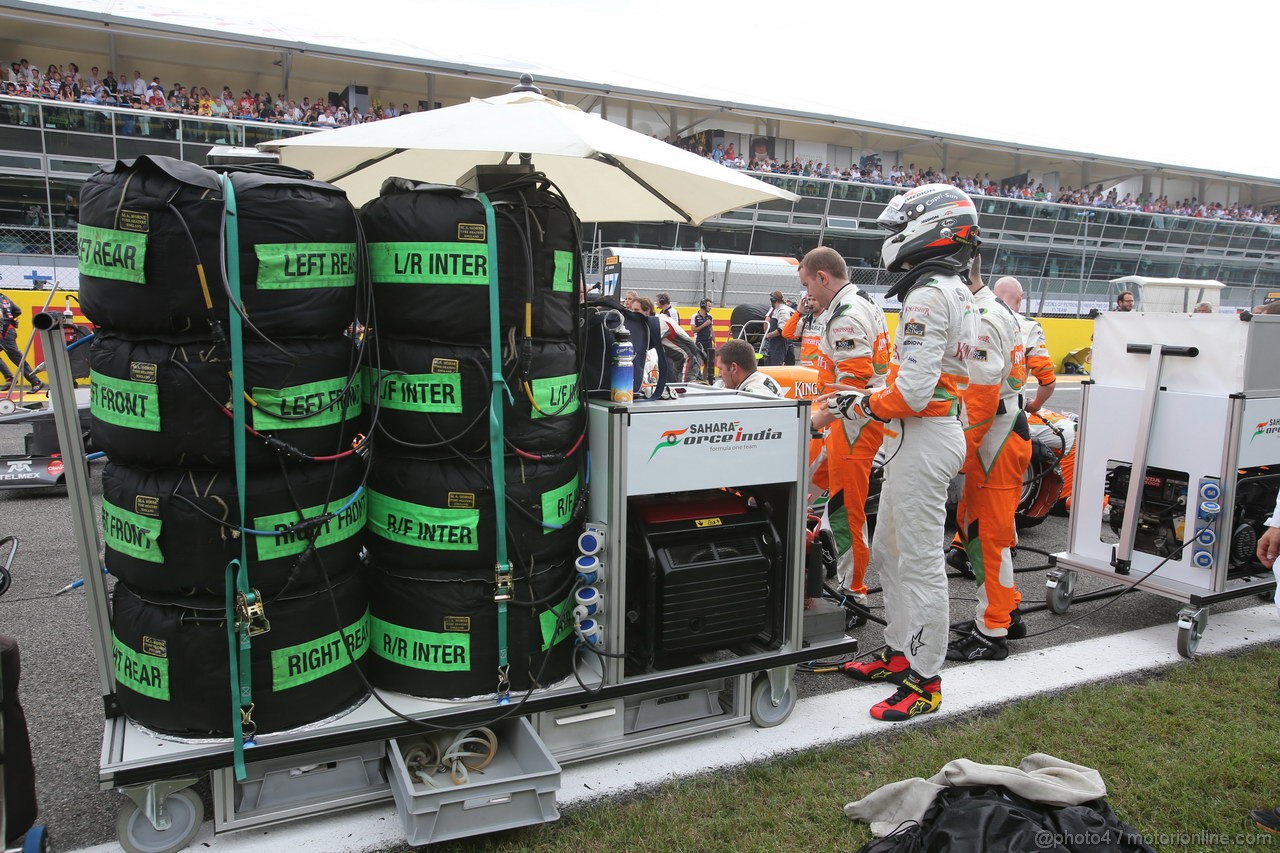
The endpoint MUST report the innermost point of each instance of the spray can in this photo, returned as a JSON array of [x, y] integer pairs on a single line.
[[622, 382]]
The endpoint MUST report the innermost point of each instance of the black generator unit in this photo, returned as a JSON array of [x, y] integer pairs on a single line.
[[704, 574], [1162, 513]]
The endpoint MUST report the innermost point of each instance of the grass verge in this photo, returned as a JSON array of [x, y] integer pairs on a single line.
[[1185, 755]]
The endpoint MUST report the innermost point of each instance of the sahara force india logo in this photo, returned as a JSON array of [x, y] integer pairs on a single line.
[[1269, 427], [725, 432]]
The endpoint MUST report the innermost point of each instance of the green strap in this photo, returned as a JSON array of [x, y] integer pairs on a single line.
[[237, 580], [502, 570]]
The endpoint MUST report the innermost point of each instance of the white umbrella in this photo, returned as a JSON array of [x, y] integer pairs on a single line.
[[607, 172]]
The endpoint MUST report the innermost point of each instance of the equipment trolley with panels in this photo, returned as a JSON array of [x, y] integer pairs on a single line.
[[1178, 461], [705, 636]]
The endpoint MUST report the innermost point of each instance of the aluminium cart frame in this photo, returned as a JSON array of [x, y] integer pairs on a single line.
[[156, 773]]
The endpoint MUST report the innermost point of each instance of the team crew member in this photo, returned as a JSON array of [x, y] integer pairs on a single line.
[[806, 325], [703, 327], [1268, 550], [736, 362], [935, 233], [9, 314], [1035, 347], [1057, 432], [1124, 302], [776, 346], [853, 353], [999, 448]]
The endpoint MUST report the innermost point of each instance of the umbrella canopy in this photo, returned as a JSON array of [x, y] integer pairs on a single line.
[[607, 172]]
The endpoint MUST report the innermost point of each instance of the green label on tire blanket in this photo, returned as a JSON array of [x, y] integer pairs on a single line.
[[130, 533], [429, 263], [315, 404], [436, 393], [107, 253], [296, 266], [286, 542], [558, 504], [317, 658], [555, 396], [549, 619], [123, 402], [439, 651], [145, 674], [562, 280], [437, 528]]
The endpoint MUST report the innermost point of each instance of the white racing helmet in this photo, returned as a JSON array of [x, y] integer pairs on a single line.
[[932, 222]]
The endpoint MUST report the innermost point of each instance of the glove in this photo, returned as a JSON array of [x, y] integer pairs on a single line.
[[852, 406]]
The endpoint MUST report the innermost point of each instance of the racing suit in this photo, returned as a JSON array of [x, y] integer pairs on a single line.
[[937, 332], [761, 383], [853, 352], [1036, 350], [9, 313], [998, 450], [808, 325]]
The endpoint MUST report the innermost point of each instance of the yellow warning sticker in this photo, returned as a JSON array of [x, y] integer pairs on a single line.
[[708, 522]]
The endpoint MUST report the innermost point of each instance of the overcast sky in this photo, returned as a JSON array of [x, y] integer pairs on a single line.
[[1183, 84]]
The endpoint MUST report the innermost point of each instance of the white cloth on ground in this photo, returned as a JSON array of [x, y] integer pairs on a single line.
[[1039, 777]]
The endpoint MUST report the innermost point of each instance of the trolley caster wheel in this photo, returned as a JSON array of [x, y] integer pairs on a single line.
[[1059, 591], [1190, 630], [763, 712], [36, 840], [137, 835]]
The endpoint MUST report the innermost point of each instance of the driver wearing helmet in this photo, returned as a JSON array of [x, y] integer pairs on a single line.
[[934, 234]]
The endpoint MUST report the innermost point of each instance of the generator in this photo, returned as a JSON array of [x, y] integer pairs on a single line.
[[704, 570], [1177, 461]]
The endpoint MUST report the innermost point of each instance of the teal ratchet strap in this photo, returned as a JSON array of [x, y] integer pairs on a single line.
[[503, 582], [241, 600]]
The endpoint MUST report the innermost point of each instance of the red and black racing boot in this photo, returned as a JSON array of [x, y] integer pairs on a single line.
[[915, 696], [890, 665]]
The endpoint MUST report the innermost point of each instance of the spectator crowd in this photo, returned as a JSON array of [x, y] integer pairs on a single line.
[[69, 84], [983, 185], [22, 79]]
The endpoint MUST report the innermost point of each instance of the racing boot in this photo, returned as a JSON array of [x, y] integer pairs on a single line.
[[958, 561], [915, 695], [890, 665], [1268, 819], [976, 645], [1017, 629]]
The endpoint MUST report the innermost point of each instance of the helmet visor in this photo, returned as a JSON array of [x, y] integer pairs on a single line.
[[893, 218]]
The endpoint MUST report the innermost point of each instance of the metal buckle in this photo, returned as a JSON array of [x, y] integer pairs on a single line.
[[248, 728], [503, 588], [250, 613]]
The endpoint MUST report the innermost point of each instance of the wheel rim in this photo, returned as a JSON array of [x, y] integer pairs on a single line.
[[764, 712], [145, 838]]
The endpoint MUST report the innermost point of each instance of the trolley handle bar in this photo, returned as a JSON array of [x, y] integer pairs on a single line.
[[1186, 352]]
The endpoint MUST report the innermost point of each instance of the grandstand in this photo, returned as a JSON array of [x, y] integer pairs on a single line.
[[1064, 253]]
